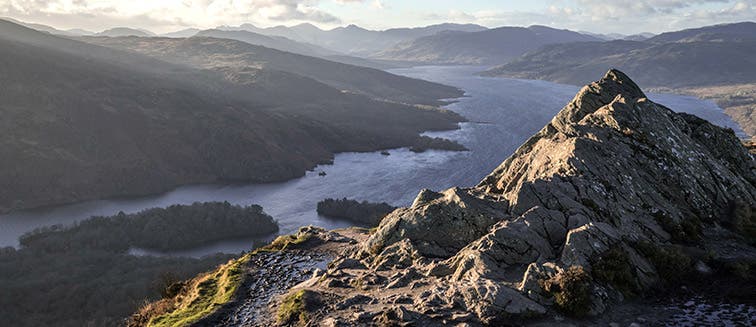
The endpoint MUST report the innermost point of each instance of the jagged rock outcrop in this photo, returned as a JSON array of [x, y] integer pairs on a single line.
[[612, 171]]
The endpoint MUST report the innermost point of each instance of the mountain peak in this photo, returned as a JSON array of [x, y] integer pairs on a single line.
[[614, 170], [615, 85], [628, 87]]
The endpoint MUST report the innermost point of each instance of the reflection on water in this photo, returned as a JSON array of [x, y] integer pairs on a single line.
[[503, 113]]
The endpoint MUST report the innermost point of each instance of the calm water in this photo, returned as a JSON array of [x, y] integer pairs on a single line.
[[503, 113]]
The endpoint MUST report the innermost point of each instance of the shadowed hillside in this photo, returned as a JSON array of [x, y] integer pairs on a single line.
[[83, 121], [242, 62]]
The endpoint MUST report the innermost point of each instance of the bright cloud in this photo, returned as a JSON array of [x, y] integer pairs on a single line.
[[620, 16]]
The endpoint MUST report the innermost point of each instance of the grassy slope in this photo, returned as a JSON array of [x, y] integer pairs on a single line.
[[203, 295]]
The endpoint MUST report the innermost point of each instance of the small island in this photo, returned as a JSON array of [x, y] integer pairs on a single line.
[[164, 229], [364, 212], [425, 143]]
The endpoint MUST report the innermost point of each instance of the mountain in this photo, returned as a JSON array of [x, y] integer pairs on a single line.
[[675, 64], [241, 62], [125, 31], [416, 32], [83, 122], [352, 39], [639, 37], [288, 45], [79, 32], [49, 29], [486, 47], [744, 31], [714, 62], [617, 197], [188, 32]]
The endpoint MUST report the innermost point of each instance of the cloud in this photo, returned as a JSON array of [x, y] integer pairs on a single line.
[[173, 13], [604, 16], [616, 16]]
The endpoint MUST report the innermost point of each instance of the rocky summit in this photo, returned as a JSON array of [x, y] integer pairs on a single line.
[[615, 197]]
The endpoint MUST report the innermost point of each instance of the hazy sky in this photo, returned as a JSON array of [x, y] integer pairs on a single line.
[[605, 16]]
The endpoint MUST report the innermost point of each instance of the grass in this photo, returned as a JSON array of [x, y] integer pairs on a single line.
[[295, 307], [286, 242], [202, 296], [206, 293]]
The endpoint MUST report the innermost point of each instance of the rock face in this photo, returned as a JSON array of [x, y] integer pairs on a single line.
[[612, 171], [597, 206]]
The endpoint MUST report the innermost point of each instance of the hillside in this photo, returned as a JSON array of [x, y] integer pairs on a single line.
[[241, 62], [675, 64], [82, 122], [615, 198], [705, 62], [487, 47], [745, 31]]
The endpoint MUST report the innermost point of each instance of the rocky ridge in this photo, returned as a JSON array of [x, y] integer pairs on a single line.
[[615, 196], [612, 171]]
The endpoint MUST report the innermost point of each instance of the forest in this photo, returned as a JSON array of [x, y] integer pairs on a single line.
[[82, 275]]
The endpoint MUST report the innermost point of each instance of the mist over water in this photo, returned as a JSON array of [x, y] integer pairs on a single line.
[[502, 114]]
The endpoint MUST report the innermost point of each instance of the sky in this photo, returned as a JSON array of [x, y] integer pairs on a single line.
[[598, 16]]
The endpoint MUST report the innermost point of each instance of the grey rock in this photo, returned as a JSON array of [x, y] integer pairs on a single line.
[[610, 170]]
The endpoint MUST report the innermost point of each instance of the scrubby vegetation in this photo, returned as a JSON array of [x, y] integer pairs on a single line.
[[614, 268], [295, 307], [364, 212], [425, 143], [71, 276], [671, 263], [571, 290]]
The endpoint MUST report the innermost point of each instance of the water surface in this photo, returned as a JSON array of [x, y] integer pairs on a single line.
[[503, 113]]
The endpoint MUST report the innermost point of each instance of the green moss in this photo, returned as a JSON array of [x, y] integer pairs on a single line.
[[202, 296], [614, 268], [295, 307], [571, 290]]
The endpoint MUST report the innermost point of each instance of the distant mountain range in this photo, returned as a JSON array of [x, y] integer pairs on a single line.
[[487, 47], [712, 55], [713, 62], [81, 121], [352, 39]]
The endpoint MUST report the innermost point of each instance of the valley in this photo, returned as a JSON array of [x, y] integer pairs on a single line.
[[312, 163], [498, 123]]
